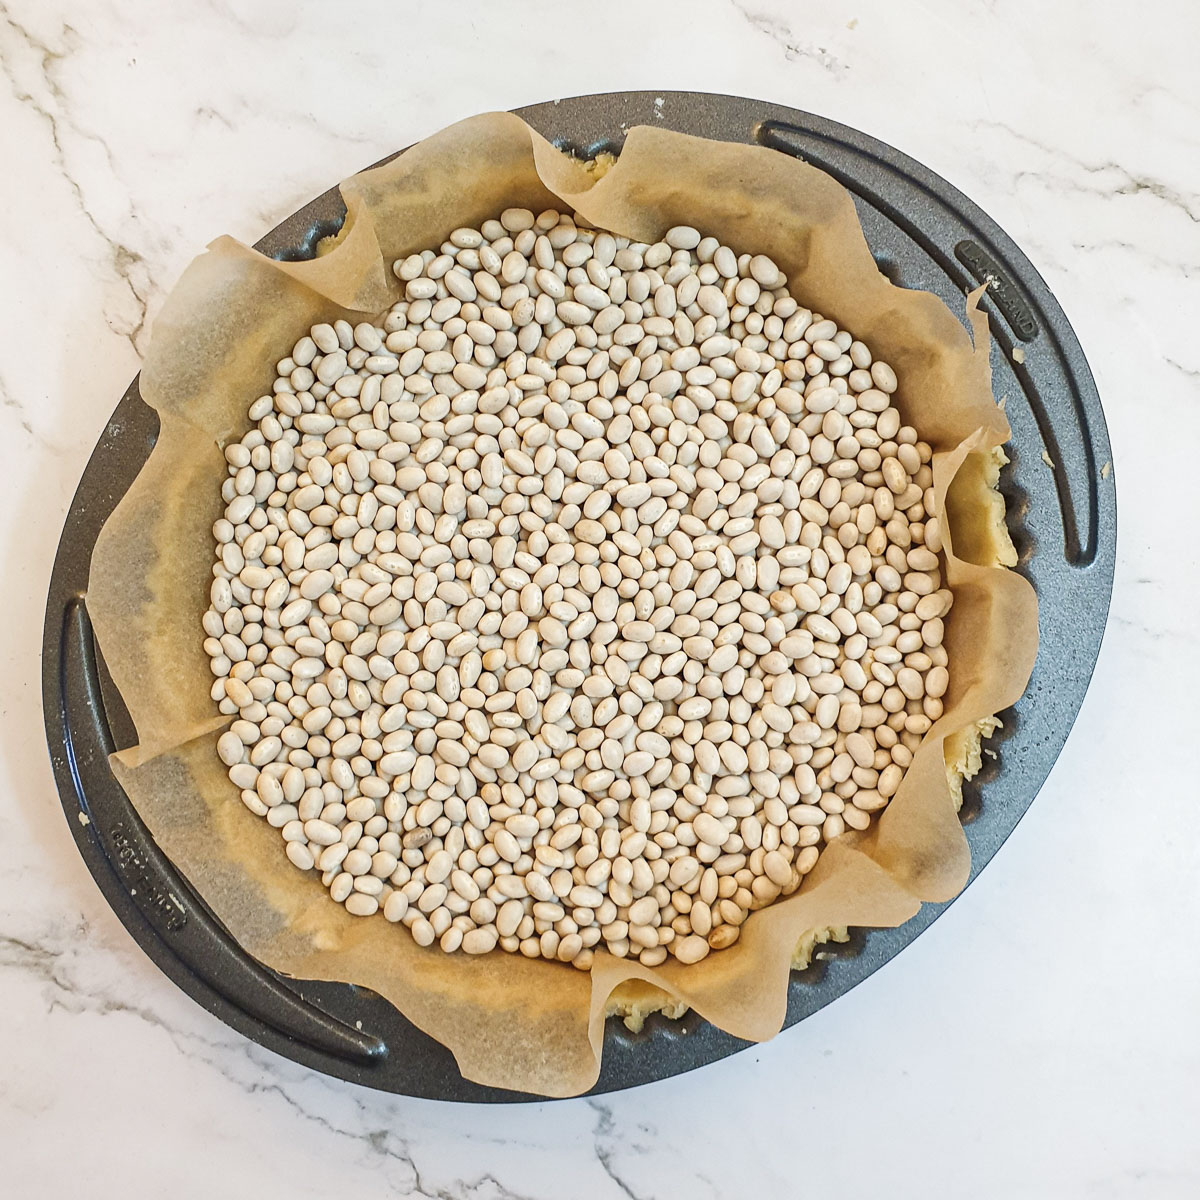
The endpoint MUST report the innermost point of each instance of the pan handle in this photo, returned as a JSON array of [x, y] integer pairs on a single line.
[[1028, 327], [163, 897]]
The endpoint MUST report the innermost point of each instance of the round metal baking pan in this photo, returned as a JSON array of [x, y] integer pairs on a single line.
[[924, 234]]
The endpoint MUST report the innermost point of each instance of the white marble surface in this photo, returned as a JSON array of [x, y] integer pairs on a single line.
[[1042, 1039]]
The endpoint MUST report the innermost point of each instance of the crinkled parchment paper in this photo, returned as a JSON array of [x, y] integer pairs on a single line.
[[528, 1025]]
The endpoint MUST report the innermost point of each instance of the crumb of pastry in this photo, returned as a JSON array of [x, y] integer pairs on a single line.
[[600, 166], [333, 240], [635, 1000], [636, 1006]]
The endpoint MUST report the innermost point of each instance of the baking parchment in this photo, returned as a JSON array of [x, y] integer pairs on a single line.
[[527, 1025]]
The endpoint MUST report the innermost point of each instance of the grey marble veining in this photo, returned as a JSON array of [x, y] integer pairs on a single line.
[[1052, 1009]]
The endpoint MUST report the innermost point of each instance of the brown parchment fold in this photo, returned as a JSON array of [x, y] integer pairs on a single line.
[[527, 1025]]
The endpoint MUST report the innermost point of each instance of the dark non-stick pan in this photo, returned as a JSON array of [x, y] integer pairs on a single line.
[[924, 234]]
